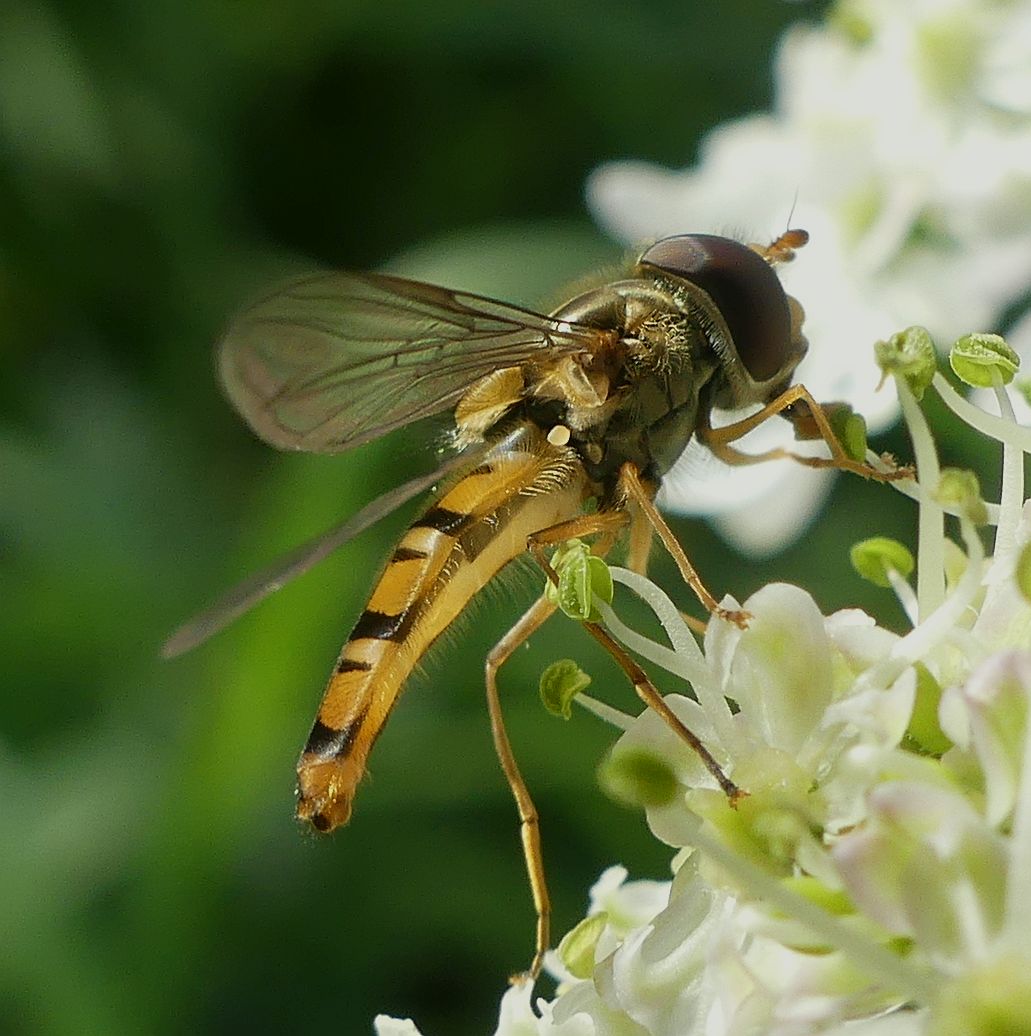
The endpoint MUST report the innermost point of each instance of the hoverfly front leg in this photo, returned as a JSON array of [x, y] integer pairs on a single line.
[[796, 405]]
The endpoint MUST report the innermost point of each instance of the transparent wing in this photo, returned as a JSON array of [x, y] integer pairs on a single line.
[[256, 588], [335, 360]]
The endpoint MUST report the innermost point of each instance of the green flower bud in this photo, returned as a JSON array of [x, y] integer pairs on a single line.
[[833, 901], [767, 825], [852, 23], [637, 777], [849, 428], [576, 950], [910, 355], [924, 730], [960, 489], [1022, 572], [989, 1000], [975, 358], [955, 562], [582, 577], [560, 683], [850, 431], [874, 559]]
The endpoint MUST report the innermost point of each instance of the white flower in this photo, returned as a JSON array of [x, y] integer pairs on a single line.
[[901, 129], [386, 1026], [876, 880]]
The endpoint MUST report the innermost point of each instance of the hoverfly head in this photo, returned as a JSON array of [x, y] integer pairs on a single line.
[[737, 280]]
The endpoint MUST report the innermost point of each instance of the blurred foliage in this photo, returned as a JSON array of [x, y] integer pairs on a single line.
[[160, 161]]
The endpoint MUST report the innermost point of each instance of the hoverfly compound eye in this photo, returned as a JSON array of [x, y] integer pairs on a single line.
[[743, 287]]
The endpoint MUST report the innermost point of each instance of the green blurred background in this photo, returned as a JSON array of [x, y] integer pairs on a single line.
[[159, 162]]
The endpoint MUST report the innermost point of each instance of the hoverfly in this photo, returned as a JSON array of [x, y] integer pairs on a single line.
[[589, 405]]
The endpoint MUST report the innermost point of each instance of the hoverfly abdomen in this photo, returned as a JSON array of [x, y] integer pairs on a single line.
[[446, 557]]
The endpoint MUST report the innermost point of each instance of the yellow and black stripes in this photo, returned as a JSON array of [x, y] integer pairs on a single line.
[[449, 522], [473, 530]]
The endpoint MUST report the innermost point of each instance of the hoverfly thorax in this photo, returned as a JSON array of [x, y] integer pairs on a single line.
[[700, 322]]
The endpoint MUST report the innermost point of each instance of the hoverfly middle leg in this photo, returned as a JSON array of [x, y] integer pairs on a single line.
[[649, 694], [810, 420], [640, 496], [640, 546], [638, 551]]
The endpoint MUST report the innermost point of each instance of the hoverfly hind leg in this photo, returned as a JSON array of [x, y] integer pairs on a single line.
[[529, 824], [607, 525]]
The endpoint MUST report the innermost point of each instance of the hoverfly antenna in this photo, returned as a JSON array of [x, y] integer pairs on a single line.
[[782, 250], [791, 212]]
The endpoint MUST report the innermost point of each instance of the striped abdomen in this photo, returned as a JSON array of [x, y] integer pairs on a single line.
[[451, 552]]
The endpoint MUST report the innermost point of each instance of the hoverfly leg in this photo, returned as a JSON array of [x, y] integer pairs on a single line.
[[529, 826], [812, 420], [640, 546], [637, 553], [607, 523], [642, 498], [649, 694]]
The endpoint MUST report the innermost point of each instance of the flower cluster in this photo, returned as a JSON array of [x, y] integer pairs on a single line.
[[900, 131], [876, 877]]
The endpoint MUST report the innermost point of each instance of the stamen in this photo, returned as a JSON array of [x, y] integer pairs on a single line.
[[622, 720], [1012, 496], [905, 595], [995, 427], [1017, 925], [685, 660], [936, 627], [930, 572]]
